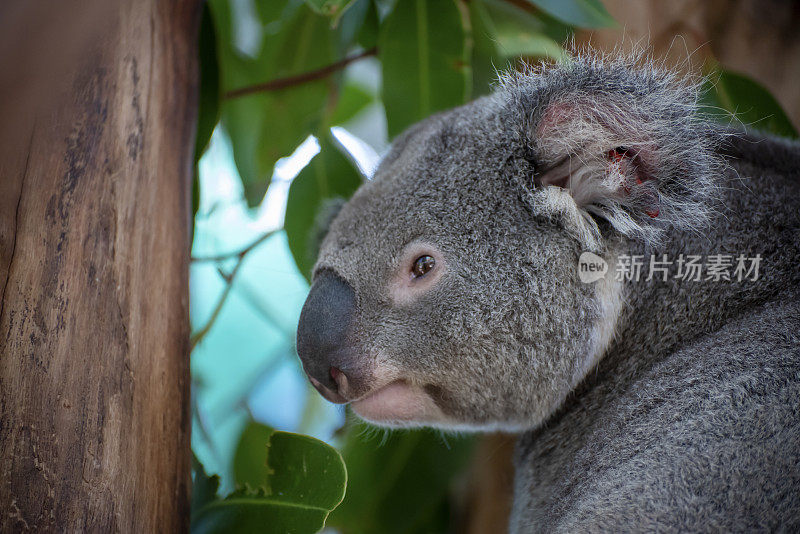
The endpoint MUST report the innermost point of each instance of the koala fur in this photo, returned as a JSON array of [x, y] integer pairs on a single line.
[[642, 405]]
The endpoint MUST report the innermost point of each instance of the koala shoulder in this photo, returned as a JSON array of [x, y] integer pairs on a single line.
[[728, 432]]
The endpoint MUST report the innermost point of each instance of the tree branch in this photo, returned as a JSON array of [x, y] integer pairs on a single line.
[[298, 79], [237, 253], [523, 5], [200, 334], [228, 277]]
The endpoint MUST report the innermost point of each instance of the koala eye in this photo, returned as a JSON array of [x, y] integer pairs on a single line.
[[422, 265]]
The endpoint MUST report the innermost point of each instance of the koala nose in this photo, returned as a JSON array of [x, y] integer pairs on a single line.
[[325, 322]]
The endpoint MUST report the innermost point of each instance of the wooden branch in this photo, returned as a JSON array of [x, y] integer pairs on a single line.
[[523, 5], [228, 277], [238, 253], [200, 334], [298, 79]]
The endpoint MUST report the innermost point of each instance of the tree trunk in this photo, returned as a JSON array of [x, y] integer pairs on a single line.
[[94, 253]]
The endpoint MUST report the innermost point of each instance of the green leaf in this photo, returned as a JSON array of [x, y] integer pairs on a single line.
[[270, 11], [353, 99], [581, 13], [384, 8], [486, 58], [421, 46], [204, 487], [250, 459], [521, 33], [330, 8], [244, 122], [242, 118], [401, 485], [349, 25], [208, 101], [516, 18], [728, 94], [266, 126], [528, 44], [303, 480], [368, 33], [329, 175]]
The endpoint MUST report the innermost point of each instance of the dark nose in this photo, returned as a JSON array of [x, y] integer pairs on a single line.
[[325, 322]]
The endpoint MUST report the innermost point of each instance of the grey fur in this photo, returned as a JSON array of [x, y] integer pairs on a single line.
[[691, 419]]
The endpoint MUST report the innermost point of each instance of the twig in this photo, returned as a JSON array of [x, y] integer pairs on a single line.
[[236, 253], [523, 5], [228, 277], [200, 334], [310, 76]]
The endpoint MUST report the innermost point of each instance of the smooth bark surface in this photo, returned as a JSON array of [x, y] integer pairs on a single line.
[[94, 248]]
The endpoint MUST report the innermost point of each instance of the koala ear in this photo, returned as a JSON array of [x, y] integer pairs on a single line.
[[624, 159], [586, 148], [598, 175]]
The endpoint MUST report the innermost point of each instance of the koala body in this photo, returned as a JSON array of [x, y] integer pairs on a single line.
[[447, 294]]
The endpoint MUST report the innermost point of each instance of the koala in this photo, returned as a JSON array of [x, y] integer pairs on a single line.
[[447, 293]]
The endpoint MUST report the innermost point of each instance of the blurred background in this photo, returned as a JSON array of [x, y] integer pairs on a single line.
[[299, 100]]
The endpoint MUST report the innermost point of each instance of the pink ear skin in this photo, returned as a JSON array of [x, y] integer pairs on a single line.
[[557, 175], [620, 155], [565, 126]]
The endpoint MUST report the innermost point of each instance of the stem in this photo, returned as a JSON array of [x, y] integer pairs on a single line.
[[523, 5], [237, 253], [200, 334], [228, 277], [298, 79]]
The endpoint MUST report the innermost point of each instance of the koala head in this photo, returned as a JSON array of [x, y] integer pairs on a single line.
[[446, 291]]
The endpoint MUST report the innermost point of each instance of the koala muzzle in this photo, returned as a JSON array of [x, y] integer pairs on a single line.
[[322, 334]]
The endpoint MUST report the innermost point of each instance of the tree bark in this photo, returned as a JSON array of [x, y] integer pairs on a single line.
[[95, 214]]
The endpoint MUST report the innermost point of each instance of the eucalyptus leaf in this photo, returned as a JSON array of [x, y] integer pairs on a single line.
[[270, 11], [204, 487], [242, 118], [529, 44], [353, 99], [486, 57], [250, 458], [384, 8], [523, 33], [329, 175], [729, 95], [367, 35], [402, 484], [208, 101], [507, 15], [303, 479], [265, 126], [422, 47], [330, 8], [350, 23], [581, 13]]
